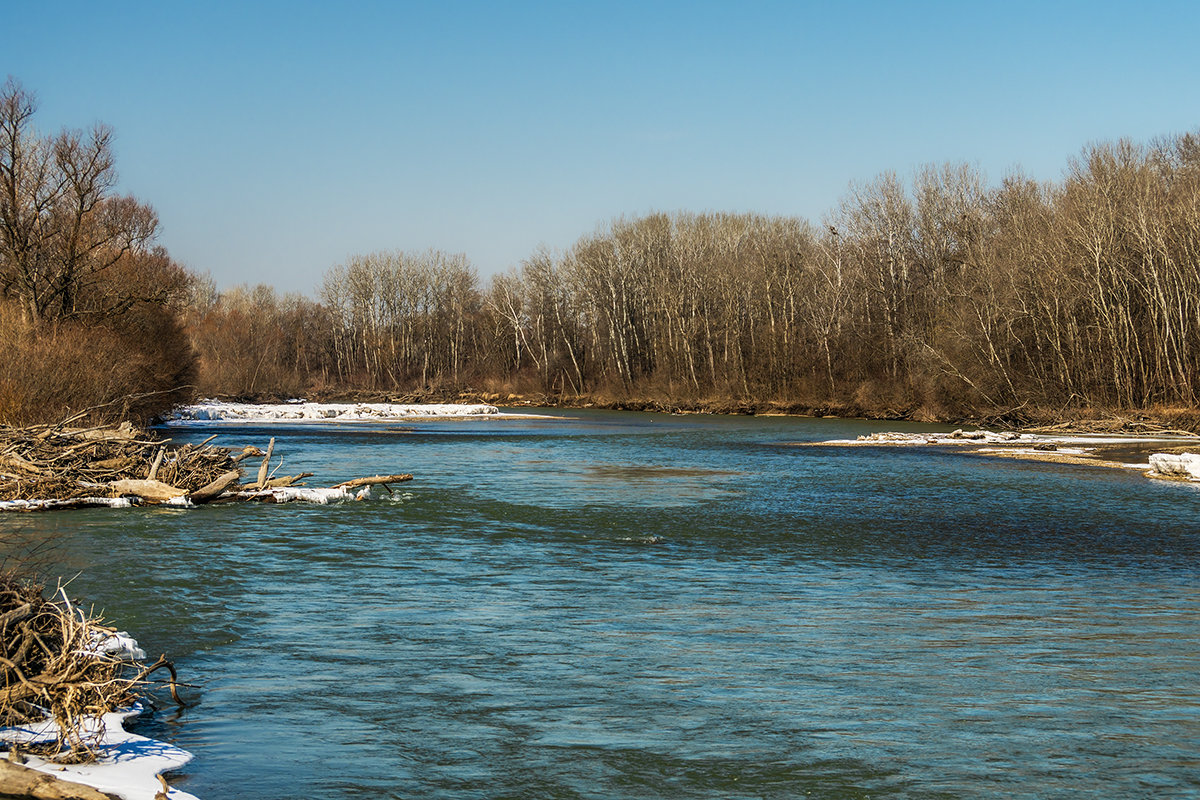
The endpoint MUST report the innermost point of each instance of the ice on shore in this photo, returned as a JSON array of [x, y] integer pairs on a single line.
[[128, 767], [1171, 465], [957, 437], [77, 502], [219, 411]]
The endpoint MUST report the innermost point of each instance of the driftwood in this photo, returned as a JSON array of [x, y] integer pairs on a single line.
[[54, 664], [287, 480], [214, 489], [377, 480], [266, 463], [55, 462], [157, 463], [24, 783], [155, 491], [54, 467]]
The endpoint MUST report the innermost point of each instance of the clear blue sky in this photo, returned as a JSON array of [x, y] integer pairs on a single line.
[[276, 139]]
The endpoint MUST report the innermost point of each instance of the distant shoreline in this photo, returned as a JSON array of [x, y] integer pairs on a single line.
[[1128, 421]]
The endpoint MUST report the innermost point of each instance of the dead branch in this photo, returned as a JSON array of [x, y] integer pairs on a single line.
[[377, 480]]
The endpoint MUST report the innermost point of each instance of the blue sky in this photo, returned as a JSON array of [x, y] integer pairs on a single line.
[[276, 139]]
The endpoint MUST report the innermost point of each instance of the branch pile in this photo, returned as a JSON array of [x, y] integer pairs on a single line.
[[60, 664], [47, 461], [1113, 426], [57, 467]]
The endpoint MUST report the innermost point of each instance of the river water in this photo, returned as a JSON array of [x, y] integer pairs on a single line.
[[609, 605]]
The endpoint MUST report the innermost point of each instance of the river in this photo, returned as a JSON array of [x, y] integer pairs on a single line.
[[611, 605]]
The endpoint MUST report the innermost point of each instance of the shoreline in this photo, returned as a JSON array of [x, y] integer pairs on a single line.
[[1080, 420], [131, 766], [1130, 453]]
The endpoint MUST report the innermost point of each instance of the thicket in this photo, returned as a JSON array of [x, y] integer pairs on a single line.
[[938, 297], [89, 306]]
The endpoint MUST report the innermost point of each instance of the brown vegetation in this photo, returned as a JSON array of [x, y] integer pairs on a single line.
[[938, 298], [88, 305], [51, 666], [941, 299]]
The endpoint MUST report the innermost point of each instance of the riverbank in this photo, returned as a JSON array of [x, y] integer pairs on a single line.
[[1023, 418], [1161, 455], [70, 683]]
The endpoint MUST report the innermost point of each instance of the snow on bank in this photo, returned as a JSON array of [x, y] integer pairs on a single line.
[[1171, 465], [218, 411], [289, 494], [1007, 438], [129, 765], [78, 502], [957, 437]]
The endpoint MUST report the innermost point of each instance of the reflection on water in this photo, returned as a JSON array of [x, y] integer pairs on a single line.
[[643, 606]]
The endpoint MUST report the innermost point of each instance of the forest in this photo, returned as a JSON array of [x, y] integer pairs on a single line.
[[937, 296]]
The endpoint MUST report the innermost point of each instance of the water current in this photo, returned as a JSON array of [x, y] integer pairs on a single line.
[[609, 605]]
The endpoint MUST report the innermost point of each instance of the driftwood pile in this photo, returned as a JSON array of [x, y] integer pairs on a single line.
[[45, 462], [54, 665], [1114, 426], [70, 467]]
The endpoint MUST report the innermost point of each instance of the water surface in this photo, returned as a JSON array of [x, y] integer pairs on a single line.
[[609, 605]]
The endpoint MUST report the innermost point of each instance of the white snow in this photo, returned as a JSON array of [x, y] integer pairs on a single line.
[[957, 437], [78, 502], [1029, 451], [1183, 465], [129, 764], [117, 646], [302, 494], [219, 411], [961, 437]]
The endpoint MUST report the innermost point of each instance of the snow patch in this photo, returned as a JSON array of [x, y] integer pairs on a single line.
[[957, 437], [116, 646], [128, 767], [302, 494], [218, 411], [78, 502], [1171, 465]]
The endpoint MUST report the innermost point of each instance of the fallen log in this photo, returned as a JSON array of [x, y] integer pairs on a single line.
[[24, 783], [147, 489], [266, 462], [286, 480], [377, 480], [206, 493], [247, 452], [153, 473]]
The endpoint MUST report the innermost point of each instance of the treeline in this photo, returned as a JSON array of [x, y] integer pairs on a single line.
[[89, 306], [939, 297]]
